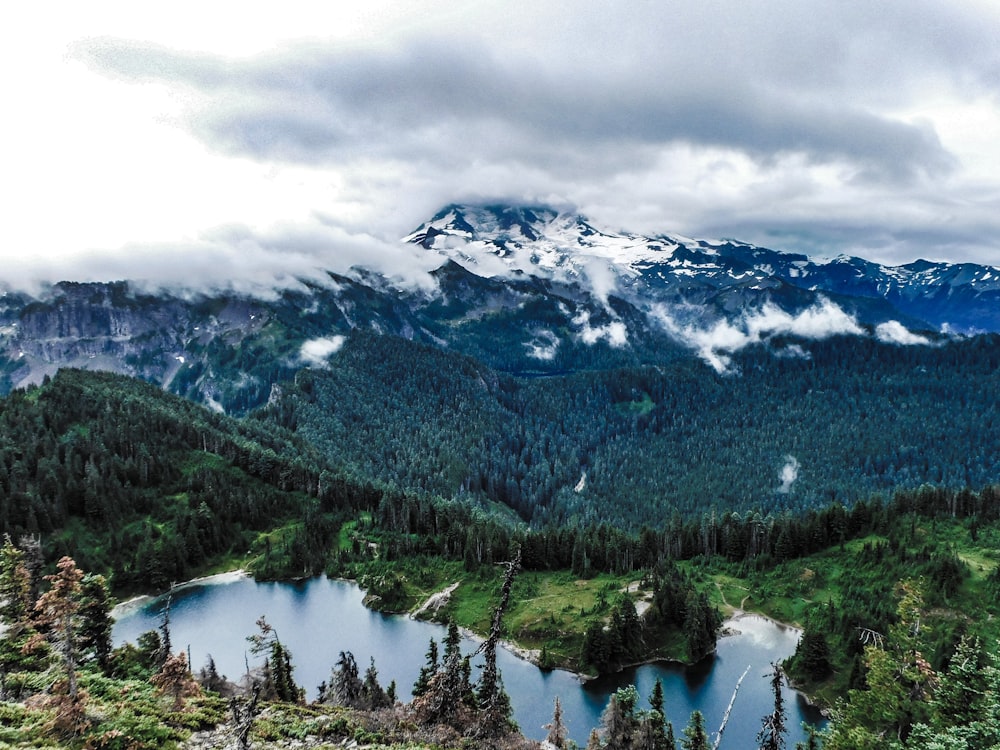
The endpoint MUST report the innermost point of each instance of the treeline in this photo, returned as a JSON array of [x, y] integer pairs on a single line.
[[425, 525], [841, 420]]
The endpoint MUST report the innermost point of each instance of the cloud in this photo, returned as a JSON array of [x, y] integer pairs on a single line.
[[722, 338], [615, 332], [315, 352], [893, 332], [788, 475], [455, 103], [870, 129], [543, 346], [237, 258]]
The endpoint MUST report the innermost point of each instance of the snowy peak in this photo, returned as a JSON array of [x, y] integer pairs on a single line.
[[498, 240]]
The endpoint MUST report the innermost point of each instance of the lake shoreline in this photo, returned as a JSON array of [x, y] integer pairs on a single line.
[[322, 616], [529, 655]]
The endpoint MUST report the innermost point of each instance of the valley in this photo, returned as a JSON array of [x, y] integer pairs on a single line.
[[663, 430]]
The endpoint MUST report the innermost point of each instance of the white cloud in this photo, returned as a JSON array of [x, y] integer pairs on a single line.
[[615, 332], [130, 138], [543, 346], [315, 352], [893, 332], [788, 475], [717, 342]]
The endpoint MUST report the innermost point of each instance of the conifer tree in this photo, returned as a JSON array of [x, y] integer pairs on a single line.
[[619, 719], [278, 682], [494, 703], [427, 671], [57, 612], [695, 737], [175, 680], [15, 588], [346, 687], [556, 730], [95, 620], [372, 694]]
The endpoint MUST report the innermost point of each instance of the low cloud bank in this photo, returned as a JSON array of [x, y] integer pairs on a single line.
[[615, 332], [893, 332], [716, 343], [315, 352]]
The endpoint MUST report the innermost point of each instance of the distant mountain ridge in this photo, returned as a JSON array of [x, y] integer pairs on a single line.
[[961, 297], [525, 290]]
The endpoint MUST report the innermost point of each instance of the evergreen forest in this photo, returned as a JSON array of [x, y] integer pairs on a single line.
[[850, 488]]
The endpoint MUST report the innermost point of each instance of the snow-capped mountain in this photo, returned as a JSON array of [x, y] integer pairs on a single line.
[[566, 247], [525, 290]]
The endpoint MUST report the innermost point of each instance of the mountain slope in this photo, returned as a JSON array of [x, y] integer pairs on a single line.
[[633, 445], [148, 487], [961, 297], [525, 291]]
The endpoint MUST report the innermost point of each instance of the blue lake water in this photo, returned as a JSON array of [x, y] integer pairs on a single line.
[[318, 618]]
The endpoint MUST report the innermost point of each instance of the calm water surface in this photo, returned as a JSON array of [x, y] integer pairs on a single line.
[[318, 618]]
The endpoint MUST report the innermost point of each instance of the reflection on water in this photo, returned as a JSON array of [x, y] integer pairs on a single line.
[[318, 618]]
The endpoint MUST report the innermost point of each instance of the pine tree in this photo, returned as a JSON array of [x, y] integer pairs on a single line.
[[278, 683], [210, 678], [812, 655], [346, 687], [57, 612], [164, 628], [427, 671], [95, 620], [494, 703], [15, 589], [656, 701], [619, 719], [175, 680], [695, 737], [372, 694]]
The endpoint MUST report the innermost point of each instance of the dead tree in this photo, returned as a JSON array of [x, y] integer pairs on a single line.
[[494, 703]]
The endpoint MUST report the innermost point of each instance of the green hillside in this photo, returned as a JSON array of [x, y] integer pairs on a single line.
[[841, 420], [149, 488]]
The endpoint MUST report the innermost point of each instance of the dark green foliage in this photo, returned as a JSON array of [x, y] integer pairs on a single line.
[[277, 683], [427, 671], [147, 488], [96, 621], [695, 737], [812, 655], [631, 446]]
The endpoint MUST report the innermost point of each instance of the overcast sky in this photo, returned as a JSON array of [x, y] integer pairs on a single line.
[[236, 141]]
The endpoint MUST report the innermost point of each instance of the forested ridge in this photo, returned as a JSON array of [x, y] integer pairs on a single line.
[[399, 461], [838, 420], [147, 487]]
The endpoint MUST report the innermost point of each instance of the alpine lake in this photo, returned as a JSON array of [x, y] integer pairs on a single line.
[[320, 617]]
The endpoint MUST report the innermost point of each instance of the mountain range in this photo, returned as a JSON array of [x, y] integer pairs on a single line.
[[526, 290]]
